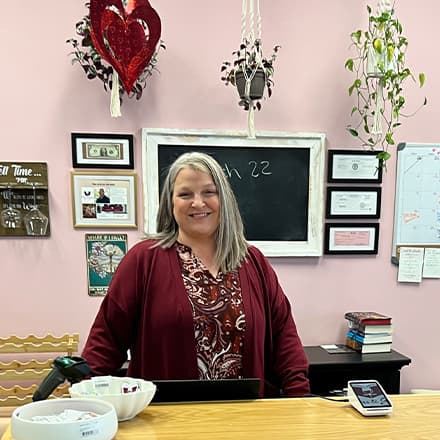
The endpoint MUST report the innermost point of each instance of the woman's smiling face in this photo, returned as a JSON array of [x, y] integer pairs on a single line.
[[196, 205]]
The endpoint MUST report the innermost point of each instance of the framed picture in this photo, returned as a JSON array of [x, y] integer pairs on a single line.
[[104, 253], [353, 202], [351, 238], [277, 178], [352, 166], [100, 150], [103, 200]]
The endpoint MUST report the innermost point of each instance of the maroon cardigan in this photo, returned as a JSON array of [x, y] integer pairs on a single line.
[[147, 311]]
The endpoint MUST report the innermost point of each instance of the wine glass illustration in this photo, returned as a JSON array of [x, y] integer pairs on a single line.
[[10, 217], [35, 221]]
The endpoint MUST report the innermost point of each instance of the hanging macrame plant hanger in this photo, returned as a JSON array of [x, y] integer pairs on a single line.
[[250, 32], [378, 55]]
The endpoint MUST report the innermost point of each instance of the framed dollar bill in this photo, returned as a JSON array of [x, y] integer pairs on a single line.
[[99, 150]]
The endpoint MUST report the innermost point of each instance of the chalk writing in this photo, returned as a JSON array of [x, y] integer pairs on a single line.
[[256, 169]]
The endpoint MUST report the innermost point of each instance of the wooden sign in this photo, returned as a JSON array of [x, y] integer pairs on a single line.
[[24, 199]]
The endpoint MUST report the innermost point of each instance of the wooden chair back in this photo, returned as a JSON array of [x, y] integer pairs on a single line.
[[26, 361]]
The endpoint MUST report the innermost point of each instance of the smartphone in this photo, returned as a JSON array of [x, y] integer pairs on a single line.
[[369, 398]]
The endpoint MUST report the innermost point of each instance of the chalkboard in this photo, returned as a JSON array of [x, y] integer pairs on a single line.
[[417, 200], [277, 179]]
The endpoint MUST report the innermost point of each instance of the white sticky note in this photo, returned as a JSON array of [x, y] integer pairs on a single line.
[[431, 263], [410, 265]]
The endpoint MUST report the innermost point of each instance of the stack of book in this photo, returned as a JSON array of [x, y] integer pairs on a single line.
[[369, 332]]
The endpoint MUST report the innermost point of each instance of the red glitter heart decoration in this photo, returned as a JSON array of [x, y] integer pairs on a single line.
[[125, 37]]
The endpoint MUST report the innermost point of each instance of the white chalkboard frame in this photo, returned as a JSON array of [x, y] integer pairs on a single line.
[[153, 137], [412, 170]]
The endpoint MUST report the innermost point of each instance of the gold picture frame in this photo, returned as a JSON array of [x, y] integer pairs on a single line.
[[103, 200]]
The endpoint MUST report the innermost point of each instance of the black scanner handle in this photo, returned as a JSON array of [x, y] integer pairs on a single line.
[[50, 382], [71, 368]]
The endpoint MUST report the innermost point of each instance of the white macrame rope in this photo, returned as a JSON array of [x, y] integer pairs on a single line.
[[251, 123], [384, 6], [115, 103], [251, 30], [376, 129], [251, 21], [378, 111], [258, 19], [243, 19]]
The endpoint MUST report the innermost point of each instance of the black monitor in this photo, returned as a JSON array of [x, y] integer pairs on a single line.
[[203, 390]]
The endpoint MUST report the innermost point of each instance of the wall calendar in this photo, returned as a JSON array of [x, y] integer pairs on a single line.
[[417, 200]]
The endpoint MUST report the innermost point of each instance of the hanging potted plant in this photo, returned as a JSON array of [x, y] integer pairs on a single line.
[[95, 66], [380, 74], [251, 73]]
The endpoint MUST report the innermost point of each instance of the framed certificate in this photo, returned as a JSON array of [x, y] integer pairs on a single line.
[[353, 202], [351, 238], [352, 166]]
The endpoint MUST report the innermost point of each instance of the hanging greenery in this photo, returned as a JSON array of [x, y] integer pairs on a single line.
[[250, 71], [248, 60], [380, 75]]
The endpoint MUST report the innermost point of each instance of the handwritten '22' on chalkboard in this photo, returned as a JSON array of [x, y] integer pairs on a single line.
[[277, 179]]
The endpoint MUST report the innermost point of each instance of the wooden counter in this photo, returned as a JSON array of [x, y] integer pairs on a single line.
[[415, 416]]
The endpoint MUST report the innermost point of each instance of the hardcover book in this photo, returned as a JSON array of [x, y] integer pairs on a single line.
[[368, 318], [370, 329], [377, 338], [368, 348]]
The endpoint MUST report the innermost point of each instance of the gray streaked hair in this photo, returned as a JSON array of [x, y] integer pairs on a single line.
[[231, 244]]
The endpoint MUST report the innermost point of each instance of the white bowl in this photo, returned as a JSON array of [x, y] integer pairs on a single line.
[[109, 389], [102, 427]]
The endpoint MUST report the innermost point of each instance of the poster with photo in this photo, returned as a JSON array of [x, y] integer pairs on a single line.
[[103, 200]]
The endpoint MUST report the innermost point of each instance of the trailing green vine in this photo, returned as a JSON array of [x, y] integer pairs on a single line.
[[380, 76]]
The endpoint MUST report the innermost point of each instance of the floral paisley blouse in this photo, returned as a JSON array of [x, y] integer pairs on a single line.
[[219, 319]]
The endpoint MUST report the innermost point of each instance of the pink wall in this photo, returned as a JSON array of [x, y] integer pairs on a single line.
[[44, 99]]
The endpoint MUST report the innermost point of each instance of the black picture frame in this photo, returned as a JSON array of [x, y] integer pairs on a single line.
[[353, 239], [349, 202], [102, 150], [353, 166]]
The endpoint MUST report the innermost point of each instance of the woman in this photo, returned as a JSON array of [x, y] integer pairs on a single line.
[[195, 300]]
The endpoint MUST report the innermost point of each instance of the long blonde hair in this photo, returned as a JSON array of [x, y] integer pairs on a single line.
[[231, 244]]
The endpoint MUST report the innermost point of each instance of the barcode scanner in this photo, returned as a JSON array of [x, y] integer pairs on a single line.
[[71, 368]]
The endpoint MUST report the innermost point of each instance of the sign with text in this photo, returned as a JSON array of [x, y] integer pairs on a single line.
[[104, 253], [24, 199]]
